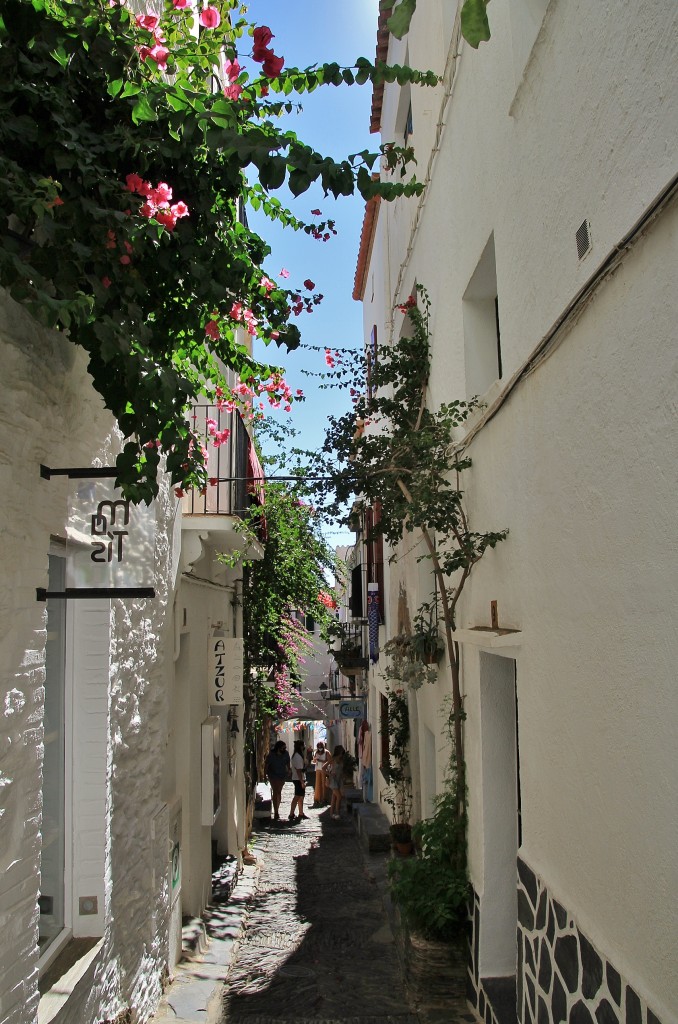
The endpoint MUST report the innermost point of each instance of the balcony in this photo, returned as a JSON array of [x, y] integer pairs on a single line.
[[348, 648], [210, 516]]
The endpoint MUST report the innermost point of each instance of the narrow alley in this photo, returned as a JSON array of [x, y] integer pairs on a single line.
[[311, 939]]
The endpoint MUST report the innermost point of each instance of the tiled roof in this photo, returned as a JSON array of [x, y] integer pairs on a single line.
[[366, 241], [382, 51]]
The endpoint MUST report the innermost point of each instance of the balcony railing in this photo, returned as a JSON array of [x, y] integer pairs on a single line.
[[349, 648], [229, 496]]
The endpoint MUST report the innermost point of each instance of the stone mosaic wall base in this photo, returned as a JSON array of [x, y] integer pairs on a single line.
[[561, 977], [484, 999]]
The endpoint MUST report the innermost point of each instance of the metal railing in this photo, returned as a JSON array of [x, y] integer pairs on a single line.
[[227, 464]]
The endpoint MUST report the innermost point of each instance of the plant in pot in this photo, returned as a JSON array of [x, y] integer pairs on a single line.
[[426, 644], [403, 667]]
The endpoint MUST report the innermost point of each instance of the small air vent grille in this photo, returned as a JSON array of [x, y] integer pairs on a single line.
[[583, 239]]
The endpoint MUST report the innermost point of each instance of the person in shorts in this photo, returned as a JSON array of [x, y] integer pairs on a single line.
[[277, 772], [299, 780]]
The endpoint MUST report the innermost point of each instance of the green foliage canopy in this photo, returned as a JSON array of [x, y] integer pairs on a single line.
[[98, 110]]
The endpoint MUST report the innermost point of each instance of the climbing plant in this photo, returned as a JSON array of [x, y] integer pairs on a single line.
[[394, 449], [290, 577], [475, 27], [124, 142]]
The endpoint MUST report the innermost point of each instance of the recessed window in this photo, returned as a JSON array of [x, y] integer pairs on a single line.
[[482, 335]]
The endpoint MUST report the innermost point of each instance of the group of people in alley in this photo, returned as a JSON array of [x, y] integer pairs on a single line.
[[329, 778]]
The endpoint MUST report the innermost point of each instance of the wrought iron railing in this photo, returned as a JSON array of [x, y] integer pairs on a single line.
[[227, 464]]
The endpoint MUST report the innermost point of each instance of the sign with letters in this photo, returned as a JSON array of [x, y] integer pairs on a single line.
[[225, 667], [352, 709], [111, 541]]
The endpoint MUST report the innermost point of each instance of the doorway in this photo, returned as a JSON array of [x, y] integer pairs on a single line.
[[501, 803]]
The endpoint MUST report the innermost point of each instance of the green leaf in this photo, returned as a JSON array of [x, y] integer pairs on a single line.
[[114, 87], [142, 111], [131, 89], [399, 22], [475, 27]]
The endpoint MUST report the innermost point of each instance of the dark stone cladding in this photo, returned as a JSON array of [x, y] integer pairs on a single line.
[[563, 978]]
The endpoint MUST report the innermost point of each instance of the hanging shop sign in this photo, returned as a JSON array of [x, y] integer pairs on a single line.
[[225, 669], [352, 709], [110, 541]]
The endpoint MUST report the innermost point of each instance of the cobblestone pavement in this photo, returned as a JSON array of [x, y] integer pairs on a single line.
[[317, 945]]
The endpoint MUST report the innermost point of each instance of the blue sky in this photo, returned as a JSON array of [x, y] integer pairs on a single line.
[[335, 121]]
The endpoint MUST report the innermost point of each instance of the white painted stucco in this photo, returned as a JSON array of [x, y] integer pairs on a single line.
[[569, 113], [133, 762]]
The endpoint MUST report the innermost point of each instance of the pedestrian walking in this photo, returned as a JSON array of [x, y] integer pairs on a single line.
[[277, 769], [299, 780], [334, 769], [319, 759]]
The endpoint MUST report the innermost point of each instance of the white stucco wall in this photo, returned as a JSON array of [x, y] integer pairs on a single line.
[[51, 415], [579, 463]]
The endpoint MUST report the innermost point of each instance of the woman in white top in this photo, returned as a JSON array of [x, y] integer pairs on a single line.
[[319, 759]]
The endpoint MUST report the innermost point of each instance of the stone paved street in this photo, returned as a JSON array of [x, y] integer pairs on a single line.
[[317, 945]]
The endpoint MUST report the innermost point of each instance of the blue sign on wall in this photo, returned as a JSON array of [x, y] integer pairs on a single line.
[[352, 709]]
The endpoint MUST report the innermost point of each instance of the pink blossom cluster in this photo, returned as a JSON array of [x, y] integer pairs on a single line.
[[157, 52], [158, 201], [327, 600], [219, 437], [270, 64], [305, 302], [231, 70], [242, 315]]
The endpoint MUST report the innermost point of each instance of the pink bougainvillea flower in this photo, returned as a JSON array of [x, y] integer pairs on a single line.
[[315, 213], [232, 69], [161, 195], [128, 247], [106, 282], [299, 393], [236, 311], [212, 329], [125, 260], [213, 481], [180, 5], [275, 335], [179, 209], [133, 183], [167, 219], [147, 209], [210, 17], [179, 492], [263, 89], [233, 91], [267, 284], [308, 283], [147, 21], [284, 273], [262, 36], [157, 53], [272, 65]]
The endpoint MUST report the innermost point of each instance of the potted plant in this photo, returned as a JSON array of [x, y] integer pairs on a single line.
[[426, 644]]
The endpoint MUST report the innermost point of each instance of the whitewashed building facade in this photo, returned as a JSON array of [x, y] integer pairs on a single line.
[[547, 238], [108, 816]]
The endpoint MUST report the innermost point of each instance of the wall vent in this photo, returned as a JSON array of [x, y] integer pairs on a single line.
[[583, 239]]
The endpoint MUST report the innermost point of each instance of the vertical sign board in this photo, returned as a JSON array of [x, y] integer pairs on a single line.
[[111, 541], [225, 660], [211, 770]]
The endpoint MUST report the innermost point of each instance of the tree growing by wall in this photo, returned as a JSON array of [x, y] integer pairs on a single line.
[[391, 448]]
